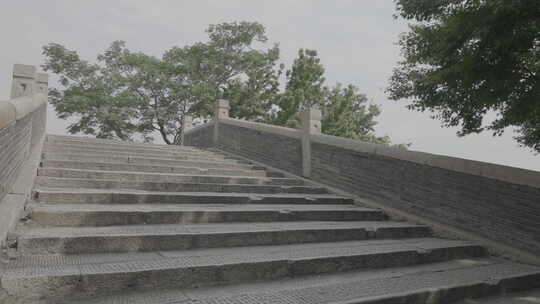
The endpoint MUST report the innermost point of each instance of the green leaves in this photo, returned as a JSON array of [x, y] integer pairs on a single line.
[[128, 95], [346, 112], [463, 59]]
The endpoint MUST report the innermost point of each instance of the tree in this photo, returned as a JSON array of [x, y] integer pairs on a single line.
[[228, 66], [127, 94], [346, 112], [466, 58], [304, 88], [92, 92]]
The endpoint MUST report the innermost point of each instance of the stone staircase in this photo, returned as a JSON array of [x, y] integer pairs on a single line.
[[114, 222]]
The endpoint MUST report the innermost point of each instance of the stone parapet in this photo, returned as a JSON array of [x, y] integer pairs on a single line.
[[22, 130], [497, 204]]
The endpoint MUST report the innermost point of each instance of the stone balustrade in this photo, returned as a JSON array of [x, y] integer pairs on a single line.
[[22, 130], [493, 204]]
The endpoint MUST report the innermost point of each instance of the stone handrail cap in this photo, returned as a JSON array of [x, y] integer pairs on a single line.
[[8, 113], [24, 70]]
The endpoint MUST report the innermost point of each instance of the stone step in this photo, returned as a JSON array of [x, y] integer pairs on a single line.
[[166, 178], [436, 283], [110, 215], [54, 182], [149, 161], [117, 147], [128, 153], [131, 147], [149, 168], [524, 297], [91, 196], [144, 238], [134, 151], [89, 275], [61, 139]]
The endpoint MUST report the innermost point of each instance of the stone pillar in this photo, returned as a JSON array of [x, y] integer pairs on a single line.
[[311, 124], [24, 81], [42, 83], [187, 124], [221, 111]]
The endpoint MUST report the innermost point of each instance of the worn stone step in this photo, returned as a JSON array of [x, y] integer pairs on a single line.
[[149, 161], [88, 275], [179, 156], [149, 152], [60, 155], [149, 168], [54, 182], [61, 139], [128, 146], [93, 196], [166, 178], [116, 146], [524, 297], [110, 215], [437, 283], [143, 238]]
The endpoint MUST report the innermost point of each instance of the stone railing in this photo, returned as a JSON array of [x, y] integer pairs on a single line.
[[22, 130], [496, 205]]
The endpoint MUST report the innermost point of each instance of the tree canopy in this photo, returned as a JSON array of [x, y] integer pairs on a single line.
[[345, 110], [129, 94], [464, 59]]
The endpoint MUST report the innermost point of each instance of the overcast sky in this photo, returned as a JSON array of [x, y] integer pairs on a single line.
[[356, 41]]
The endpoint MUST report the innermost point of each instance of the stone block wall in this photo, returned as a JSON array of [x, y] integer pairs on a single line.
[[22, 130], [201, 136], [273, 149], [15, 146], [502, 211]]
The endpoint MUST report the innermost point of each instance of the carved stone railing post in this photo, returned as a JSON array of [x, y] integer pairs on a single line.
[[187, 124], [42, 83], [221, 112], [24, 81], [311, 124]]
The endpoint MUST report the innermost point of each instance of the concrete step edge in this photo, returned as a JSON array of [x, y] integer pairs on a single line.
[[144, 238], [103, 166], [419, 284], [144, 160], [69, 215], [232, 265], [95, 183], [156, 176], [122, 197]]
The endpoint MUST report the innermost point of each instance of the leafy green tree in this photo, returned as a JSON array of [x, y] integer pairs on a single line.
[[127, 94], [346, 112], [229, 66], [466, 58], [93, 93], [304, 88]]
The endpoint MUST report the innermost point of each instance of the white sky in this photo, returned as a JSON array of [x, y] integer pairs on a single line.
[[356, 40]]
